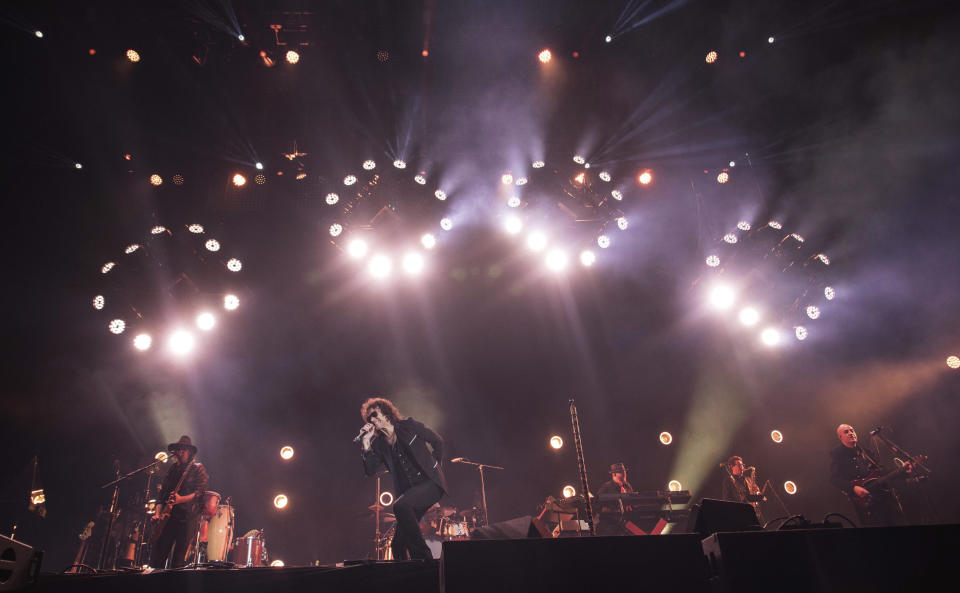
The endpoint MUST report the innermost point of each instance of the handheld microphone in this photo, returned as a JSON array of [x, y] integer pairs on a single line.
[[363, 432]]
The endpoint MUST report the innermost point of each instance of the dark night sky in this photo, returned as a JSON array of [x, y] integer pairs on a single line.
[[850, 121]]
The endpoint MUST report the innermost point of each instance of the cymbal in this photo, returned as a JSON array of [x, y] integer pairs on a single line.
[[375, 506]]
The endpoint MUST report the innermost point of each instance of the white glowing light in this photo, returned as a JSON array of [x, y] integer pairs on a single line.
[[131, 248], [645, 178], [953, 362], [608, 39], [117, 326], [569, 491], [142, 342], [357, 248], [770, 39], [212, 245], [790, 487], [133, 55], [277, 562], [349, 180], [723, 177], [181, 342], [428, 240], [743, 225], [446, 224], [239, 180], [730, 238], [713, 261], [711, 57], [733, 163], [440, 195], [155, 180], [829, 293], [557, 260], [749, 316], [286, 453], [332, 198], [776, 436], [206, 321], [521, 181], [675, 486], [234, 264], [801, 332], [77, 166], [813, 312], [622, 223], [280, 501], [413, 263], [536, 241], [617, 194], [259, 166], [98, 302], [292, 57], [579, 159], [775, 225], [604, 176], [157, 230], [603, 241], [666, 438], [369, 165], [420, 179], [380, 266], [513, 202], [823, 258], [513, 225], [556, 442], [544, 56], [400, 164], [587, 258], [506, 179], [231, 302], [335, 229], [797, 238], [770, 336], [721, 297], [196, 229], [107, 267], [537, 164], [38, 33]]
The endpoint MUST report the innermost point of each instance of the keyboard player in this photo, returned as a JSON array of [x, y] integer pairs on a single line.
[[610, 522]]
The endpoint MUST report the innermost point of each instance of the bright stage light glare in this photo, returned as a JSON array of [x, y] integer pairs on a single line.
[[569, 491], [579, 159], [158, 230], [536, 241], [162, 456], [723, 177], [521, 181], [107, 267], [770, 336], [513, 225], [666, 438], [730, 238], [645, 177], [749, 316], [829, 293], [446, 224], [713, 260], [212, 245], [231, 302], [440, 195], [604, 176], [133, 56], [292, 57], [98, 302], [181, 342], [196, 229], [206, 321], [557, 260], [117, 326], [142, 342], [241, 38], [413, 263], [155, 179], [280, 501], [349, 180], [420, 179], [537, 164], [332, 198], [587, 258], [603, 241], [513, 202], [616, 195], [823, 258], [675, 486], [131, 248], [544, 56], [953, 362], [38, 33], [239, 180], [428, 240], [712, 57], [369, 165], [797, 237], [77, 166], [776, 436], [277, 562], [286, 453], [608, 39], [357, 248], [743, 225], [259, 166], [770, 39], [556, 442], [622, 223], [813, 312], [800, 332], [790, 487], [335, 229], [733, 164], [380, 266], [721, 297], [775, 224], [386, 498], [506, 179], [400, 164]]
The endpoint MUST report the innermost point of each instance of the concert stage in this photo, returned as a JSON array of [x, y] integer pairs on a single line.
[[871, 559]]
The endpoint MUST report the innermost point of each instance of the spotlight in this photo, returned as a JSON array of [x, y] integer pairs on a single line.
[[274, 562], [260, 179], [556, 442], [666, 438], [743, 225], [241, 38], [730, 238], [675, 486], [953, 362], [231, 302], [645, 178], [521, 181], [38, 33], [713, 260], [569, 491], [723, 177], [133, 56], [823, 258], [77, 166], [239, 180], [506, 179], [513, 202], [557, 260], [399, 164], [829, 293], [280, 501], [196, 229], [259, 166], [789, 486], [212, 245], [162, 456], [616, 195], [155, 179], [357, 248], [733, 164], [538, 164], [801, 332], [536, 241], [776, 436], [544, 56], [293, 57], [131, 248], [446, 224], [770, 39], [721, 297], [712, 57], [349, 180], [420, 179], [440, 195], [622, 223], [428, 240], [775, 224], [424, 53], [178, 179], [587, 258], [332, 198], [117, 326], [413, 263], [770, 336], [608, 39], [379, 266], [369, 165], [98, 302], [813, 312], [579, 159], [513, 225], [604, 176], [286, 453], [142, 342], [335, 229], [603, 241], [180, 342], [206, 321], [749, 316], [386, 498], [107, 267]]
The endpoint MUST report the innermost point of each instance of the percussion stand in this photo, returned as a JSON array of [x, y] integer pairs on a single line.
[[113, 503], [483, 486]]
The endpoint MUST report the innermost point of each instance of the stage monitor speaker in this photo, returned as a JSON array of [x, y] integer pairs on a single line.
[[19, 564], [713, 516], [520, 528]]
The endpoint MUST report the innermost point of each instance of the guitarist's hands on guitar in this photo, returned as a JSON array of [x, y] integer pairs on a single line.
[[860, 492]]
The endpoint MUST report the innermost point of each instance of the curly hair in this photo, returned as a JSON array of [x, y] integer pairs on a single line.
[[386, 408], [733, 460]]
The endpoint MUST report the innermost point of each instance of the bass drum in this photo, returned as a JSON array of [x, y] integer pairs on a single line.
[[220, 534], [250, 550]]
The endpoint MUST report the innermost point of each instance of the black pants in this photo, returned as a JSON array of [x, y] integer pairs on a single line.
[[177, 535], [409, 509]]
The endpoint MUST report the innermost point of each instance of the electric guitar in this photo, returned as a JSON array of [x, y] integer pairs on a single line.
[[163, 509], [876, 481]]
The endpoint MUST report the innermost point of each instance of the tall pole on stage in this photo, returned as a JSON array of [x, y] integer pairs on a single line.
[[110, 514], [582, 466]]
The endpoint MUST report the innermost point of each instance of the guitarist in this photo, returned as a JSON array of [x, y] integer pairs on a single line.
[[850, 463], [183, 504]]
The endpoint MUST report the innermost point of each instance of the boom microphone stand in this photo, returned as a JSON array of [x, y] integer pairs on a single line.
[[114, 500], [483, 487]]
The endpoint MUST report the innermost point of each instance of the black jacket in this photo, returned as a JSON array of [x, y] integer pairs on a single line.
[[847, 464], [416, 436], [195, 482]]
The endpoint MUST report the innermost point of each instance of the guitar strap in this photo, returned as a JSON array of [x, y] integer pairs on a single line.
[[873, 464]]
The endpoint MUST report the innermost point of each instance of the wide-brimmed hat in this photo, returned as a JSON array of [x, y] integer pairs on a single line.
[[183, 443], [617, 467]]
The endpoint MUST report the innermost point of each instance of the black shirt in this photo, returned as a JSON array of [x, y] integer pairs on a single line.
[[848, 464], [409, 473]]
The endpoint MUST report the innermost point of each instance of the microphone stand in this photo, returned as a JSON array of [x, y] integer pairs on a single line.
[[917, 462], [483, 486], [113, 504]]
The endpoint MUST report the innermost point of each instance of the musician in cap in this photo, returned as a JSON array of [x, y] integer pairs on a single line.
[[400, 444], [610, 518], [850, 465], [182, 493]]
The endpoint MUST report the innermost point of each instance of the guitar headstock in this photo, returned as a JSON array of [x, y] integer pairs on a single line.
[[87, 532]]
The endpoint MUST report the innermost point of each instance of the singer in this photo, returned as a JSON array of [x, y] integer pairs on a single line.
[[401, 444]]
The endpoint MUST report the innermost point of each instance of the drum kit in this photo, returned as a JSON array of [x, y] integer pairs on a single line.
[[439, 524], [216, 531]]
